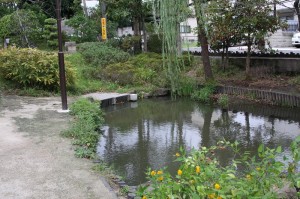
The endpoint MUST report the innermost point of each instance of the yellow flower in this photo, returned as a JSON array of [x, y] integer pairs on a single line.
[[258, 168], [177, 154], [198, 169], [211, 196], [217, 186], [153, 173], [144, 197], [160, 178], [219, 197], [179, 172], [159, 172], [248, 177]]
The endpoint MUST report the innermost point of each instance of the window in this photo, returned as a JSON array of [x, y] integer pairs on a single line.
[[292, 26], [185, 29]]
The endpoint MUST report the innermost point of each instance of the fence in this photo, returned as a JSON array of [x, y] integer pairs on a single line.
[[270, 96]]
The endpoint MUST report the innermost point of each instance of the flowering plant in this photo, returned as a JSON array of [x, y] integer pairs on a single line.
[[201, 175]]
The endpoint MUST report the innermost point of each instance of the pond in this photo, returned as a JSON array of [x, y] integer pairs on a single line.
[[148, 133]]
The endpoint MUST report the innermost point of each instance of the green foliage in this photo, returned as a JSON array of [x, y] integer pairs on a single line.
[[5, 26], [142, 69], [187, 86], [204, 94], [33, 68], [84, 129], [293, 174], [223, 100], [50, 32], [171, 14], [201, 176], [22, 27], [86, 29], [129, 42], [155, 43], [99, 54]]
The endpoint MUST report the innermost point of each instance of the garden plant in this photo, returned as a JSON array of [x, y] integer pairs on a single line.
[[201, 175]]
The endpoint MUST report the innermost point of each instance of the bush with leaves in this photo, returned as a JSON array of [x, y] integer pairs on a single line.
[[204, 94], [201, 176], [27, 67], [100, 54], [84, 129], [50, 32], [146, 68]]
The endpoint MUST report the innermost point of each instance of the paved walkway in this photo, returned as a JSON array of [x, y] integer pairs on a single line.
[[35, 161]]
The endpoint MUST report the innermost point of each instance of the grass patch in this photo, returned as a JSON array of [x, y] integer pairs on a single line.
[[88, 118]]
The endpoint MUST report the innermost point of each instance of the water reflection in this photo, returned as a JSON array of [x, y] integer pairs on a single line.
[[148, 134]]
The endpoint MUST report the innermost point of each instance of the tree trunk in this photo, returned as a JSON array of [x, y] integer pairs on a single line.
[[145, 36], [85, 8], [227, 56], [23, 31], [248, 57], [137, 33], [205, 54], [296, 6], [202, 38], [223, 57]]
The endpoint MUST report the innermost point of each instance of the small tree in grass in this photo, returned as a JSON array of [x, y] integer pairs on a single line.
[[50, 32], [222, 31], [254, 21]]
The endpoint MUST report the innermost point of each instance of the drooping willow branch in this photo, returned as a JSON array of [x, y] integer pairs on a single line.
[[170, 13]]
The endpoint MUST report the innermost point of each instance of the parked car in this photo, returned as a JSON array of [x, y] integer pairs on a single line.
[[296, 39]]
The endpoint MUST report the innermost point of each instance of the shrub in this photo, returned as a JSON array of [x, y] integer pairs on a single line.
[[223, 100], [50, 32], [204, 94], [99, 54], [155, 43], [201, 176], [142, 69], [33, 68], [84, 129]]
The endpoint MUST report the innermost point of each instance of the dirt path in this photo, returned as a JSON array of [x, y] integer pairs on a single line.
[[35, 161]]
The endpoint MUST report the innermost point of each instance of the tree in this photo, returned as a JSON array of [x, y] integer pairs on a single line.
[[296, 6], [222, 27], [68, 7], [202, 37], [22, 27], [129, 12], [7, 7], [86, 29], [50, 32], [5, 27], [254, 28]]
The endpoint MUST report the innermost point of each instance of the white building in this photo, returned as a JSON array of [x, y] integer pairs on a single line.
[[283, 38]]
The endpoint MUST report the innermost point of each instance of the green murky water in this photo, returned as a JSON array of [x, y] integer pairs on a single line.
[[148, 133]]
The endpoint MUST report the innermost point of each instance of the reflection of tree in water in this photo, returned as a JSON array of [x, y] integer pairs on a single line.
[[138, 120], [150, 134]]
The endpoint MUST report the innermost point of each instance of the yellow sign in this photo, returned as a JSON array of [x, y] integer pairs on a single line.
[[103, 21], [104, 36], [103, 26]]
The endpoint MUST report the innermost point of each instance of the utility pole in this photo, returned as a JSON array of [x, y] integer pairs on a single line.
[[62, 75]]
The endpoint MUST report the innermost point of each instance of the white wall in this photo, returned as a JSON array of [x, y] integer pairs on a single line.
[[192, 22]]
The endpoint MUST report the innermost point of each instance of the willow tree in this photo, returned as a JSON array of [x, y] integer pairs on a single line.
[[170, 13], [200, 6]]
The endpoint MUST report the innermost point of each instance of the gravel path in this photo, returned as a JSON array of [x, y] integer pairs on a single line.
[[35, 161]]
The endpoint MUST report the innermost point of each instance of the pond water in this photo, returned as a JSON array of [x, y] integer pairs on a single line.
[[149, 132]]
